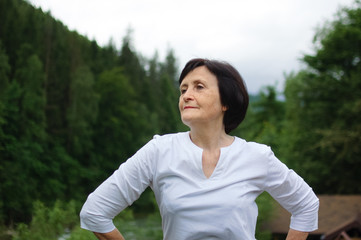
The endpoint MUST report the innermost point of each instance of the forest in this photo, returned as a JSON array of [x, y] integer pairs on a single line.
[[72, 111]]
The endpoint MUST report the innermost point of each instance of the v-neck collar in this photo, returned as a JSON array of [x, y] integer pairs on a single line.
[[198, 157]]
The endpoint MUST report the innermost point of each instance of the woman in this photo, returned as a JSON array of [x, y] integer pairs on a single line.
[[205, 181]]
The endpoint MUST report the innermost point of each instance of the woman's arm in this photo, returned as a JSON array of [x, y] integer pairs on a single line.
[[294, 194], [119, 191], [296, 235], [113, 235]]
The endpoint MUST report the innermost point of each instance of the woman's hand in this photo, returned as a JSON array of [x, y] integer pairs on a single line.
[[113, 235], [296, 235]]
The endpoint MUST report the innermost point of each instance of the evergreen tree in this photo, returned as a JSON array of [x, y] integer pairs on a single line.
[[82, 112], [4, 83], [264, 120], [70, 110], [4, 70], [131, 64], [24, 131], [168, 96], [117, 134]]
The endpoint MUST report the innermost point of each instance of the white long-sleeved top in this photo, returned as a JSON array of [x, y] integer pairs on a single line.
[[193, 206]]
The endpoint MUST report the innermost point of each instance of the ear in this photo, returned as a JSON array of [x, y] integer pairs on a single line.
[[224, 108]]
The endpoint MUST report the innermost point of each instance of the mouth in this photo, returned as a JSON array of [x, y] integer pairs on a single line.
[[189, 107]]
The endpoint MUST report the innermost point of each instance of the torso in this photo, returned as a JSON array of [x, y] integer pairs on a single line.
[[210, 156], [209, 161], [206, 194]]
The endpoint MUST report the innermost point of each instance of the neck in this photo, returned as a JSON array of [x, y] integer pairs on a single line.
[[210, 139]]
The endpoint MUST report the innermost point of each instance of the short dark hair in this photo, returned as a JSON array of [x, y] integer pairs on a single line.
[[232, 89]]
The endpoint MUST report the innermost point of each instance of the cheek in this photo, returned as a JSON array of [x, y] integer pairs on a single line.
[[180, 104], [216, 106]]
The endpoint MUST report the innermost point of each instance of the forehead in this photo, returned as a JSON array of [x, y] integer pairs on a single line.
[[199, 74]]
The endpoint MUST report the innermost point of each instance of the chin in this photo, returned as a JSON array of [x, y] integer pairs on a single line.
[[187, 121]]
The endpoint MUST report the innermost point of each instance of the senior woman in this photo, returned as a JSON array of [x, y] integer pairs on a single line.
[[205, 181]]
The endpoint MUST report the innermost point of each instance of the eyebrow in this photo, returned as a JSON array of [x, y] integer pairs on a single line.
[[192, 82]]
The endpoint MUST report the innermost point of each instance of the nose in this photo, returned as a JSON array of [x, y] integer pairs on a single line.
[[188, 95]]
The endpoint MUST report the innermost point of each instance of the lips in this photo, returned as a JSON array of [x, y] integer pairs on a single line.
[[189, 107]]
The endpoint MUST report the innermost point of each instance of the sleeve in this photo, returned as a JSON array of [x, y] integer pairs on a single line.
[[293, 193], [119, 191]]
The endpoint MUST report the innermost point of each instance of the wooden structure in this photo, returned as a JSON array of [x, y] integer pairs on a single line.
[[352, 227], [339, 219]]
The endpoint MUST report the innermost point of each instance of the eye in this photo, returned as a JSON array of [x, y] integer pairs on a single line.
[[183, 91], [199, 86]]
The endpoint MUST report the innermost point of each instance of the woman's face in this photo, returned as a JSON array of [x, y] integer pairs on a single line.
[[199, 102]]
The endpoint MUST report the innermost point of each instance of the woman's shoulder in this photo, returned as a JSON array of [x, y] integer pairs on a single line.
[[170, 136], [254, 148], [159, 145], [170, 139], [251, 144]]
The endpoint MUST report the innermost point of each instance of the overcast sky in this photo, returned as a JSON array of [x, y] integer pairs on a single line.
[[263, 39]]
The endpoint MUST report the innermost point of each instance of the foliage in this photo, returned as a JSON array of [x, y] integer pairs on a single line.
[[264, 120], [133, 228], [81, 234], [71, 111], [48, 224], [148, 227], [323, 128], [265, 209]]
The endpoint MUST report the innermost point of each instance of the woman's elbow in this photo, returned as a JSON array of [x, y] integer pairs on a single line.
[[96, 221], [86, 218]]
